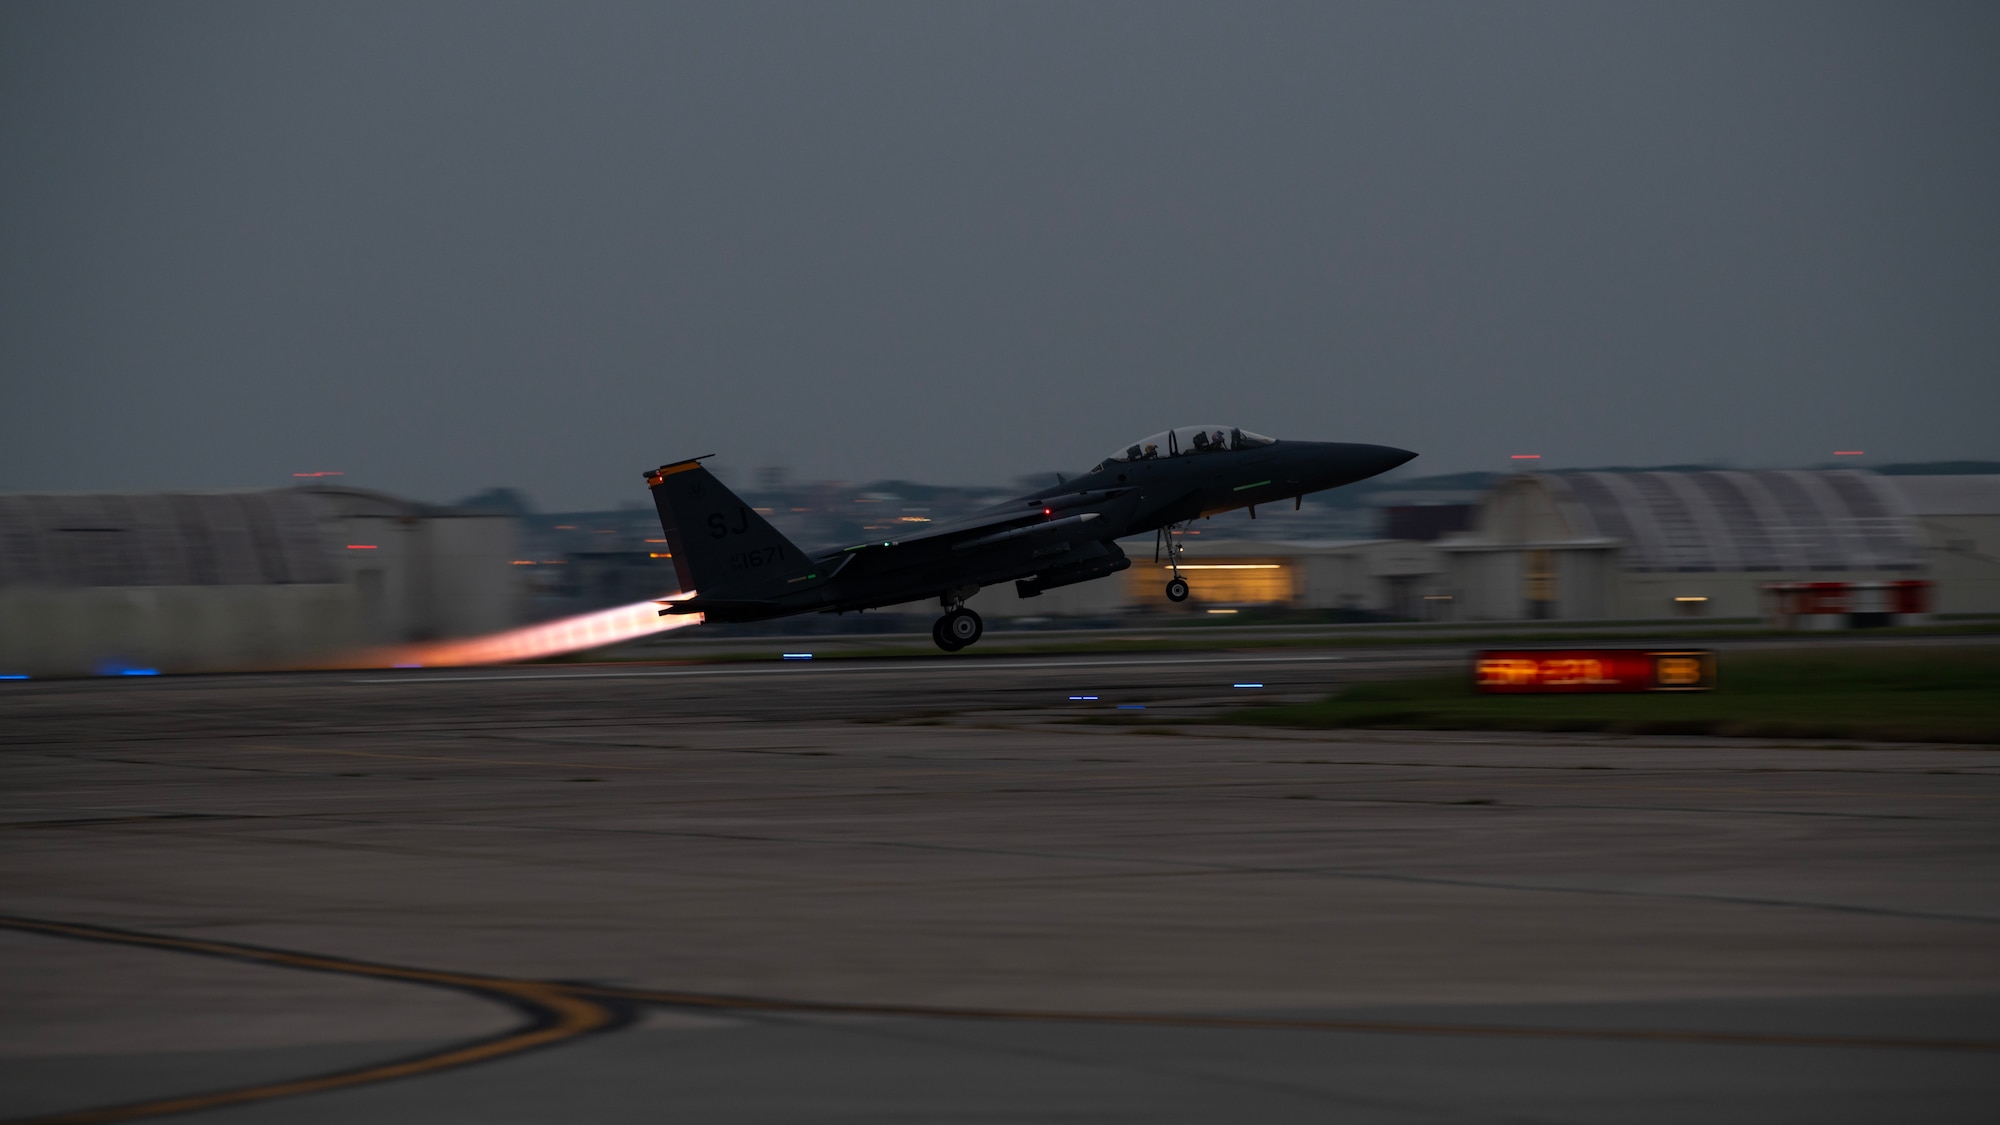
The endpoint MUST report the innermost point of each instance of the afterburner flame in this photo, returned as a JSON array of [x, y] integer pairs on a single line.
[[550, 638]]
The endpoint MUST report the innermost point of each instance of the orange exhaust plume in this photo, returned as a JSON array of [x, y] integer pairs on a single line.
[[532, 642]]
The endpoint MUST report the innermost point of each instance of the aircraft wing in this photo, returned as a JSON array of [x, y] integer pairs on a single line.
[[966, 526], [1025, 516]]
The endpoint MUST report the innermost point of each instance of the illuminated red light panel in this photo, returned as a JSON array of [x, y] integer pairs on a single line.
[[1563, 671]]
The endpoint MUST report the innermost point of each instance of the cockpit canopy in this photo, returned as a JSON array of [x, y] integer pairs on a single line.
[[1187, 441]]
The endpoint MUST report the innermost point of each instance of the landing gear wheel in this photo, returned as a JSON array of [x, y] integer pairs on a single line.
[[1177, 589], [943, 638], [961, 628]]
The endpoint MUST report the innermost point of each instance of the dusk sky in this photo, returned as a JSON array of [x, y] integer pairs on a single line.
[[443, 247]]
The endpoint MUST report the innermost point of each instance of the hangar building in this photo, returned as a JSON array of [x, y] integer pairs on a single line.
[[230, 580], [1672, 543], [1959, 520], [1632, 545]]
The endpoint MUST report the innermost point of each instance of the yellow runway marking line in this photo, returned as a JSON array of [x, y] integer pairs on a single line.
[[560, 1012], [557, 1015], [1255, 1023]]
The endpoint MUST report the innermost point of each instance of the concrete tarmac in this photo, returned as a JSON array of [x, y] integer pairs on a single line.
[[944, 890]]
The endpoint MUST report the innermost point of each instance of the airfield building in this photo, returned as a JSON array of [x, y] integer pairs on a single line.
[[1665, 544], [1610, 545], [94, 584]]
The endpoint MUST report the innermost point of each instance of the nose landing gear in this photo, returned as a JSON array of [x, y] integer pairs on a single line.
[[1177, 587]]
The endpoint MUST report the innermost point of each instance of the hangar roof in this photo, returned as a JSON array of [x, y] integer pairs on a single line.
[[1949, 495], [164, 539], [1840, 519]]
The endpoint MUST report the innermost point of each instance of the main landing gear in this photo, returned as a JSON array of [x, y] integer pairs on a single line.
[[959, 626], [957, 629]]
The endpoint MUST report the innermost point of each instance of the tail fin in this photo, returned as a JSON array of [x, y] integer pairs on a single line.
[[721, 547]]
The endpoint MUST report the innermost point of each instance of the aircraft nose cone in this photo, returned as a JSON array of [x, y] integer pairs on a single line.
[[1332, 464], [1376, 459]]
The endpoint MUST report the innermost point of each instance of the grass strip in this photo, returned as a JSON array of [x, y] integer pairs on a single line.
[[1895, 694]]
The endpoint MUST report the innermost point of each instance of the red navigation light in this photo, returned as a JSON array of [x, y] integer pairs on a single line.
[[1048, 511], [361, 546]]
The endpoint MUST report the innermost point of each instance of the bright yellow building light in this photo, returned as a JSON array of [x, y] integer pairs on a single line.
[[1220, 584]]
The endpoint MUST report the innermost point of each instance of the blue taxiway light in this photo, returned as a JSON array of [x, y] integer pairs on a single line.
[[138, 671], [1246, 685], [13, 677], [1083, 697], [798, 656]]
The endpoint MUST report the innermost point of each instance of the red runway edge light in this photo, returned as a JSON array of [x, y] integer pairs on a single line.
[[1562, 671]]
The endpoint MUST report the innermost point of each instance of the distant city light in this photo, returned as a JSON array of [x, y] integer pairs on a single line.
[[321, 473], [1525, 456], [1131, 707], [1847, 453], [1228, 566]]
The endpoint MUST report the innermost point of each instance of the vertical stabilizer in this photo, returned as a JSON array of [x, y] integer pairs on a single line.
[[721, 547]]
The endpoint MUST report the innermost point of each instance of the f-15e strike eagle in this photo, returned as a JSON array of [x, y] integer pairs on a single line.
[[739, 568]]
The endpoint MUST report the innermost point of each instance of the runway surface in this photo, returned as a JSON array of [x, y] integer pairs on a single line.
[[923, 890]]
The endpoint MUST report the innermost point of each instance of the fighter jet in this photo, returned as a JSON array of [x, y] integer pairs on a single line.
[[737, 567]]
